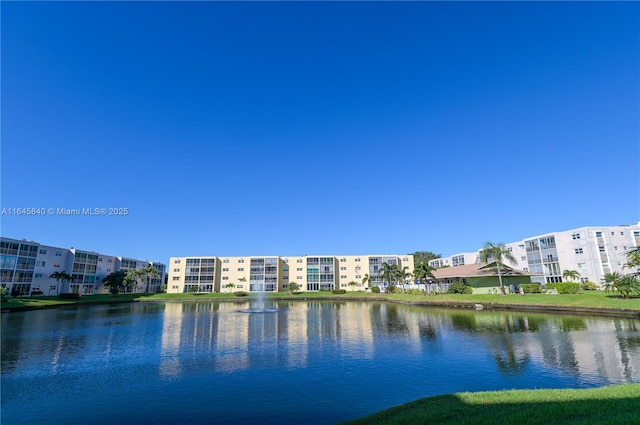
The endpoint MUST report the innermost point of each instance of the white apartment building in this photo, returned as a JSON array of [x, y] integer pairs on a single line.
[[274, 273], [26, 267], [591, 251]]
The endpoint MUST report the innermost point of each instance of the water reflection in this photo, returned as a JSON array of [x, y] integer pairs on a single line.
[[338, 352]]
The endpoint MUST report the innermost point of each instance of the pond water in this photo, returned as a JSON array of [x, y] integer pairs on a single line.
[[308, 362]]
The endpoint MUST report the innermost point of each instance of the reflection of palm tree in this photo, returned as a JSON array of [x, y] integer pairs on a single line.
[[497, 252]]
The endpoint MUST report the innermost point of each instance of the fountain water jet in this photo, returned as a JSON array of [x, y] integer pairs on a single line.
[[258, 306]]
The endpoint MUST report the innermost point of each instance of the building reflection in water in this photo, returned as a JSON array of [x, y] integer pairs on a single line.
[[301, 332]]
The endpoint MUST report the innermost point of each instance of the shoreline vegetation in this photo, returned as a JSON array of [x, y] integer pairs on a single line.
[[605, 405], [591, 302]]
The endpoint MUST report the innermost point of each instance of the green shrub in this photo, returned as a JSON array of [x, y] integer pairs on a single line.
[[65, 296], [590, 286], [339, 291], [531, 288], [564, 287], [375, 289], [3, 293], [415, 291], [390, 289], [459, 288], [241, 294]]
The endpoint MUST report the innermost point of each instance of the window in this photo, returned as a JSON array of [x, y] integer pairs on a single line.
[[523, 258], [240, 286], [405, 259], [174, 261], [40, 263], [284, 260], [598, 234], [613, 233], [358, 276], [344, 276], [581, 265], [578, 250], [42, 251], [176, 270], [621, 233], [37, 275], [298, 277], [241, 261], [285, 269], [299, 269], [575, 236], [110, 260], [225, 261], [108, 270], [285, 277], [56, 265], [601, 249], [100, 259], [176, 278], [342, 260], [615, 248], [240, 269], [225, 269], [357, 260], [343, 268], [225, 277], [58, 254], [298, 260], [174, 286]]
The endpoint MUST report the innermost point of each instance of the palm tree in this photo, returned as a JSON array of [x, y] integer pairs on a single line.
[[626, 286], [570, 274], [131, 280], [633, 260], [230, 285], [421, 272], [402, 276], [366, 280], [60, 277], [147, 273], [387, 272], [497, 252]]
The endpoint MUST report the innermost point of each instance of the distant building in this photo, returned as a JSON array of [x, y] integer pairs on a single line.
[[591, 251], [274, 273], [27, 267]]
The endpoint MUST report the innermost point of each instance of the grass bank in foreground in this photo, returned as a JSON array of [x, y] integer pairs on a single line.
[[613, 405], [595, 300]]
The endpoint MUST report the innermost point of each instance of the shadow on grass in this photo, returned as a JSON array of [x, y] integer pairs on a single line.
[[520, 407]]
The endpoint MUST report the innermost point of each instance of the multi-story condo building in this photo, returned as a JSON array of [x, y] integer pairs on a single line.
[[27, 266], [274, 273], [591, 251]]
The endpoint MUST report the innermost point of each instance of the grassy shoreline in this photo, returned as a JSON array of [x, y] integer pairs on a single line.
[[593, 302], [610, 405]]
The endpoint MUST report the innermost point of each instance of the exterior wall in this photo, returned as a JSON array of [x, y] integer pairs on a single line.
[[273, 273], [591, 251], [455, 260], [27, 270]]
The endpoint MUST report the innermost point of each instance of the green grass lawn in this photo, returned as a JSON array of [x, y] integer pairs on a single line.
[[613, 405], [587, 299]]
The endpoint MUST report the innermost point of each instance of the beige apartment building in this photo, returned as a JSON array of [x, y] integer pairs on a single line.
[[274, 273]]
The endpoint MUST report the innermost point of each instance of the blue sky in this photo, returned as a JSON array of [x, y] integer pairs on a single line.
[[293, 128]]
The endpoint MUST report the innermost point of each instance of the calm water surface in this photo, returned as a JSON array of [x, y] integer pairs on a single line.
[[309, 362]]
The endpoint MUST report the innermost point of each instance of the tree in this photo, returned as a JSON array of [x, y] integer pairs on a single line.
[[633, 260], [626, 285], [60, 277], [293, 287], [147, 273], [114, 282], [230, 285], [366, 280], [131, 280], [570, 274], [194, 289], [497, 252], [353, 284], [387, 272], [402, 275], [424, 256], [421, 272]]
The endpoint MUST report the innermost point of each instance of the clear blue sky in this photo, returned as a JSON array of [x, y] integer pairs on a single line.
[[295, 128]]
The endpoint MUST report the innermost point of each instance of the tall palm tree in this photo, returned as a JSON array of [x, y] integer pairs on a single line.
[[401, 276], [387, 272], [421, 272], [60, 277], [147, 273], [366, 280], [497, 252], [570, 274]]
